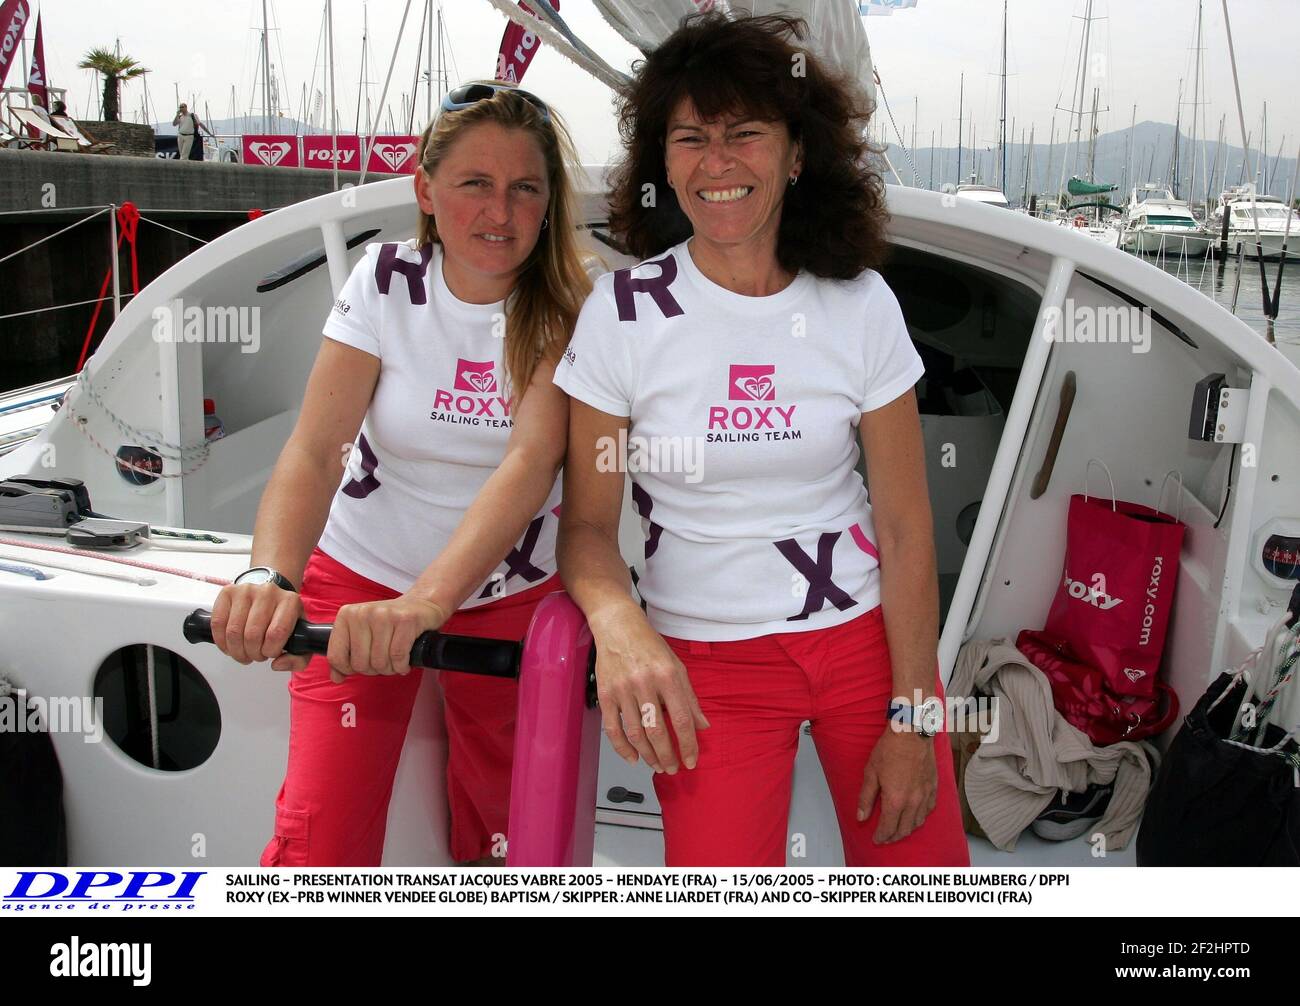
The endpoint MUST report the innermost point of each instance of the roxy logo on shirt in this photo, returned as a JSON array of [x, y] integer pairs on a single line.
[[754, 385], [473, 399]]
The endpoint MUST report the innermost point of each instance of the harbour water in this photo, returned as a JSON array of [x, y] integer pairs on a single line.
[[1218, 279]]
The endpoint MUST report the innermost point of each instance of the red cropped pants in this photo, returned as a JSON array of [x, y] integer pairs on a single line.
[[733, 808]]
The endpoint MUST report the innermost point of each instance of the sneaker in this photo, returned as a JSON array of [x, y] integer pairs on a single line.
[[1074, 814]]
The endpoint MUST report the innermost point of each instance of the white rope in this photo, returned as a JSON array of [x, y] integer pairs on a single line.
[[60, 307], [140, 581], [153, 703], [52, 209], [48, 237], [192, 237]]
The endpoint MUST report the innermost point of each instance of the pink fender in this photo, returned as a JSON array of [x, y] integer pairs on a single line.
[[557, 743]]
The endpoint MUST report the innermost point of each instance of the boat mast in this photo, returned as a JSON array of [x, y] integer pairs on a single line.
[[428, 94], [1092, 138], [1029, 168], [1173, 158], [266, 73], [1002, 123], [961, 98], [932, 159], [1083, 74], [1081, 77], [1128, 158], [441, 70], [1261, 176], [1214, 168], [334, 106], [362, 82], [1196, 98]]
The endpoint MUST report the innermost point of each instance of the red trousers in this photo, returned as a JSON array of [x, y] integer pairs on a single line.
[[345, 739], [732, 809]]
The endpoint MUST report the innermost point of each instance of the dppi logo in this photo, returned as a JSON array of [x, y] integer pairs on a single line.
[[269, 154], [474, 395], [345, 156], [394, 154], [752, 383], [102, 888]]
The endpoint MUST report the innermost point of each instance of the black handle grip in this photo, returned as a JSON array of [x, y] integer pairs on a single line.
[[495, 658]]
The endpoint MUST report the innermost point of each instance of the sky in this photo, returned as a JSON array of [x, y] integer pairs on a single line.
[[1141, 49]]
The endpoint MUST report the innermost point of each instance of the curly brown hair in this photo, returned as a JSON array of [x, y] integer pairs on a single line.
[[832, 222]]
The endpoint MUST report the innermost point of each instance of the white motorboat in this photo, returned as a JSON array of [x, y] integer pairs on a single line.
[[990, 195], [195, 744], [1256, 222], [1155, 223]]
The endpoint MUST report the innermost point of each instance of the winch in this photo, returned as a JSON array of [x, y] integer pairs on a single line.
[[61, 508]]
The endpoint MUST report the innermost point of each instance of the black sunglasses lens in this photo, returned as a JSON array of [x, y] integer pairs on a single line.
[[471, 93]]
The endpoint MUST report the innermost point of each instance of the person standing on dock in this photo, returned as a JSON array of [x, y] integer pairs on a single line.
[[187, 125]]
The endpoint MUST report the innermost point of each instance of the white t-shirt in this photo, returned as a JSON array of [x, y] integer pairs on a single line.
[[743, 422], [436, 428]]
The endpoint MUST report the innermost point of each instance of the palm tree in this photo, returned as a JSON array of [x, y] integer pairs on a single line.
[[114, 69]]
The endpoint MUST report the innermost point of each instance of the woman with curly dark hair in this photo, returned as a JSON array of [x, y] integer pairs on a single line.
[[734, 374]]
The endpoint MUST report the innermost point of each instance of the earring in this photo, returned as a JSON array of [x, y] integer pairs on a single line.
[[546, 222], [794, 180]]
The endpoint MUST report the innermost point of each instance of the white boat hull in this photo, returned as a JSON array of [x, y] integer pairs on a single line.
[[1174, 243]]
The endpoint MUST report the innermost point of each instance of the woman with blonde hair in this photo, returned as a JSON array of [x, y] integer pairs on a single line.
[[441, 350]]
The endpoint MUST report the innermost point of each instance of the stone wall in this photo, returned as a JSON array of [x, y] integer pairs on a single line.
[[133, 139]]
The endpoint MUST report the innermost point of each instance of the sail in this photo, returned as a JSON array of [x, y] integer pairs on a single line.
[[870, 7], [835, 28], [1078, 187]]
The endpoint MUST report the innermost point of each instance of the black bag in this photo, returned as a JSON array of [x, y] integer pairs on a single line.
[[196, 148], [32, 826], [1215, 803]]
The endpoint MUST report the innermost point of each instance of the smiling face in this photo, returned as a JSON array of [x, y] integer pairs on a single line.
[[730, 174], [488, 195]]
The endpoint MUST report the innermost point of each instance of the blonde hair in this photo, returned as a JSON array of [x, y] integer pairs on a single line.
[[552, 283]]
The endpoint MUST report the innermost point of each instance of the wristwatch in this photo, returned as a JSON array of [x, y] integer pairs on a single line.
[[265, 574], [925, 719]]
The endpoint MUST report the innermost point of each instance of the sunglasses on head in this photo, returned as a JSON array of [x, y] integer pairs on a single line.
[[469, 94]]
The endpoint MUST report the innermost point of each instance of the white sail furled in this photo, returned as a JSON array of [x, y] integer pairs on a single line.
[[835, 27]]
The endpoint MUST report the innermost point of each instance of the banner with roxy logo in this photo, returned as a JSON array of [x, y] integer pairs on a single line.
[[389, 155]]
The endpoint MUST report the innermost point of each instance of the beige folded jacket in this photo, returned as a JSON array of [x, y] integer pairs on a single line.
[[1011, 780]]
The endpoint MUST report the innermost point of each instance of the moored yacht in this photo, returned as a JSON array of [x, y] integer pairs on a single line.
[[1156, 223], [1246, 213]]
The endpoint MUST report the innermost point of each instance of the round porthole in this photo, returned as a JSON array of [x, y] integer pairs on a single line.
[[138, 466], [157, 708]]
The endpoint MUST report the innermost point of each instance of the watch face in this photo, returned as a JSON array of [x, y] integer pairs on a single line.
[[255, 576], [931, 718]]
